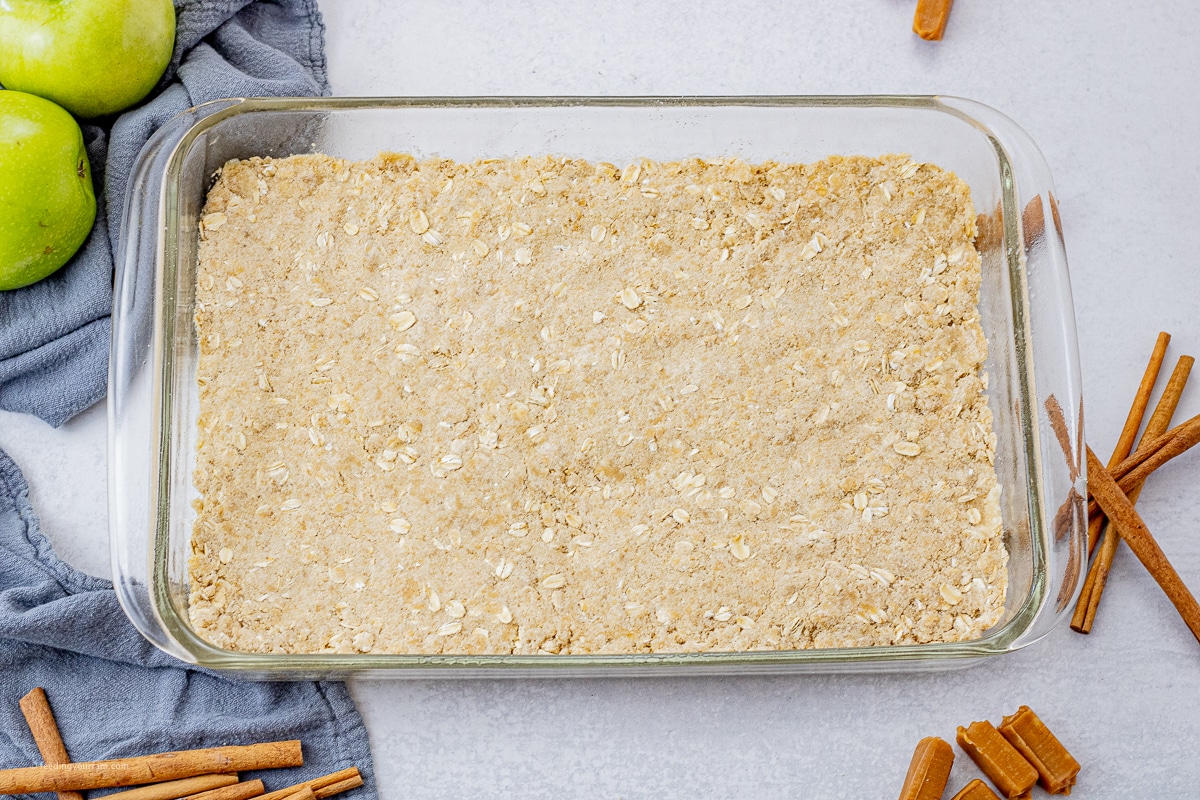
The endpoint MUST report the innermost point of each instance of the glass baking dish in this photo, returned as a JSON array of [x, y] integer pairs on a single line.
[[1025, 306]]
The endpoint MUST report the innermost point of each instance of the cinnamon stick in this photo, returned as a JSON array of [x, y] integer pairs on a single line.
[[1133, 471], [930, 20], [1079, 619], [150, 769], [1058, 424], [1180, 438], [337, 788], [236, 791], [1132, 528], [1064, 518], [1069, 514], [321, 787], [172, 790], [1133, 423], [1150, 456], [1160, 421], [44, 728]]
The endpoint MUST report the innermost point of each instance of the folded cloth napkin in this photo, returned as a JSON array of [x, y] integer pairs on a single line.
[[114, 695], [54, 335]]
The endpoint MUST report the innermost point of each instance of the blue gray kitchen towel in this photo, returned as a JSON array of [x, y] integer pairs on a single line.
[[54, 335], [115, 695]]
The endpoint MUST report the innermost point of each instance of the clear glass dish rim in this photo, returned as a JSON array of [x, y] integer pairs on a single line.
[[1006, 638]]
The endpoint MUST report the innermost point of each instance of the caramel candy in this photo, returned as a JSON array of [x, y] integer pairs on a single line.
[[1056, 768], [999, 760], [930, 20], [975, 790], [928, 771]]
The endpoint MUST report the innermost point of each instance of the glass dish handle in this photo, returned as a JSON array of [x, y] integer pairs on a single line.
[[1059, 482], [133, 428]]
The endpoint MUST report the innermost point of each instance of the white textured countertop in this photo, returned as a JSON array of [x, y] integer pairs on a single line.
[[1113, 99]]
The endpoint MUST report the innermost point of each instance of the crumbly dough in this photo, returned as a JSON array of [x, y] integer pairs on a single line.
[[541, 405]]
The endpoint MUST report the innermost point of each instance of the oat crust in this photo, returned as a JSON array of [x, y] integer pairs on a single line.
[[540, 405]]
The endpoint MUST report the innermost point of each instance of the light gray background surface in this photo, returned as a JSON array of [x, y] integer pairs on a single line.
[[1113, 98]]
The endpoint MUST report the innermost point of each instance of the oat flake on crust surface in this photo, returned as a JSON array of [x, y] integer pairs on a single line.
[[540, 405]]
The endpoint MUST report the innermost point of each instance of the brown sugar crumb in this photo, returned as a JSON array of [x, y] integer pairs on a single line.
[[541, 405]]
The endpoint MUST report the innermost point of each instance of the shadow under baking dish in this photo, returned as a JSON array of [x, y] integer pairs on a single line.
[[1025, 307]]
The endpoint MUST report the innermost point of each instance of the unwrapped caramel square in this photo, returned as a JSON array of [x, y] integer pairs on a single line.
[[928, 771], [999, 760], [1056, 768], [975, 790]]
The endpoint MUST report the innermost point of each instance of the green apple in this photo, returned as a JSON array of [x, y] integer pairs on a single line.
[[47, 205], [92, 57]]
